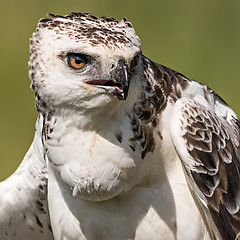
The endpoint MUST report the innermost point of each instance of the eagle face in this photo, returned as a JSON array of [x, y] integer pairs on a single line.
[[83, 63], [85, 73]]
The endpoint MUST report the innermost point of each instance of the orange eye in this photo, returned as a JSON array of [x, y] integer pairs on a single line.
[[77, 61]]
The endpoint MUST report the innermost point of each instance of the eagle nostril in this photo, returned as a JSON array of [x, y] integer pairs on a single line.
[[112, 67]]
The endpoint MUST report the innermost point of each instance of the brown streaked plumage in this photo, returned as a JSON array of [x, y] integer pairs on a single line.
[[125, 148]]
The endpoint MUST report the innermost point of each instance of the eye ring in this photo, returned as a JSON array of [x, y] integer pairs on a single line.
[[76, 61]]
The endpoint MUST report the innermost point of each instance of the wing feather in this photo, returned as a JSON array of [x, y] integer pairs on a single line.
[[208, 146], [23, 199]]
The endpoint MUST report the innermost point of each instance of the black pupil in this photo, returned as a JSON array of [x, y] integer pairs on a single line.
[[78, 60]]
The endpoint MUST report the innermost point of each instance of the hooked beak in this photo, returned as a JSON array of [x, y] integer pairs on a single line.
[[121, 76], [118, 84]]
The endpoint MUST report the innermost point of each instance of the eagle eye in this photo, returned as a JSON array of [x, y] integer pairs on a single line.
[[76, 60]]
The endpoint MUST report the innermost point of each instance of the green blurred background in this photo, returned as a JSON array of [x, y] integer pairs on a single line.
[[198, 38]]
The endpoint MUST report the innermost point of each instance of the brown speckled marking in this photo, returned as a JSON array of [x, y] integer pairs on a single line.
[[50, 227], [154, 122], [160, 86], [49, 120], [49, 116], [119, 137], [160, 135], [40, 105], [142, 136], [133, 148], [85, 26], [149, 142], [38, 222]]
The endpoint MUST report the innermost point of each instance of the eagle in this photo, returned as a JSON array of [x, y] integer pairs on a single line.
[[124, 148]]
